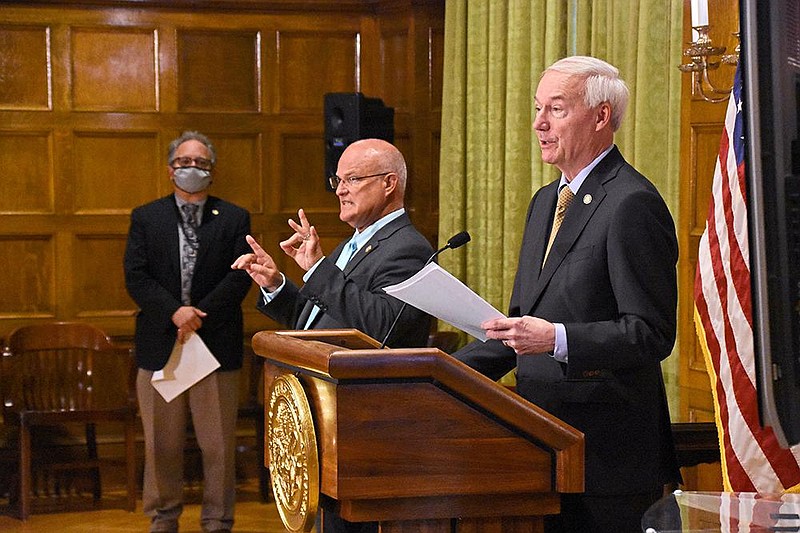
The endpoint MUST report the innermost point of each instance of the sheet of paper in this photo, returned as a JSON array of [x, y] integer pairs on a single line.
[[188, 363], [437, 292]]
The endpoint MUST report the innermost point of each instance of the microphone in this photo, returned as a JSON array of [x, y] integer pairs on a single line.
[[456, 241]]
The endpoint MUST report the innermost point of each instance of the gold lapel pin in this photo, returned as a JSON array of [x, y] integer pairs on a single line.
[[215, 212], [587, 199], [368, 249]]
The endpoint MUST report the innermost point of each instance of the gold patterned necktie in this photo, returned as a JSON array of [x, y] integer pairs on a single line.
[[565, 197]]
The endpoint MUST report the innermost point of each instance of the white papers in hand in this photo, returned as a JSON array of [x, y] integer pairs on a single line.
[[188, 363], [437, 292]]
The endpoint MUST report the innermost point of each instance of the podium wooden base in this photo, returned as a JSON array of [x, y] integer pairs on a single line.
[[419, 442]]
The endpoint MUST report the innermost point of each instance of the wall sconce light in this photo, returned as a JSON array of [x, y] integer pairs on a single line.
[[705, 56]]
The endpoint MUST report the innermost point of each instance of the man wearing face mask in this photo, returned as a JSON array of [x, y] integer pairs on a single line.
[[177, 270]]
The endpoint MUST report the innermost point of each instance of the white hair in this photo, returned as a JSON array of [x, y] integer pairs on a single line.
[[601, 84]]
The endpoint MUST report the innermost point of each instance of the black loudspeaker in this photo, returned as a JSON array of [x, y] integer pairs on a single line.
[[350, 117]]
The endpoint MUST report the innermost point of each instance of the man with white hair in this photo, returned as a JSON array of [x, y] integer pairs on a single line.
[[593, 309]]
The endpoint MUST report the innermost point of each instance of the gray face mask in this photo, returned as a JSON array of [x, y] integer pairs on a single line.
[[192, 179]]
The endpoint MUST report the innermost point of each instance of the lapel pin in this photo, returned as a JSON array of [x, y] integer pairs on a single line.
[[215, 212], [368, 249], [587, 199]]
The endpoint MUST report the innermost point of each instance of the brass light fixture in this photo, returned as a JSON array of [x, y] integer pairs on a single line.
[[705, 56]]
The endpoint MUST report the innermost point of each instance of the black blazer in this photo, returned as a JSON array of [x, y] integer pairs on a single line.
[[354, 298], [153, 279], [610, 279]]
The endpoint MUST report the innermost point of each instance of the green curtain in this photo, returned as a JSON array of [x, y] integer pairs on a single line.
[[495, 51]]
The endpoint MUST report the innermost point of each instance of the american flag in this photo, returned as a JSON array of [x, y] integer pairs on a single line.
[[751, 457]]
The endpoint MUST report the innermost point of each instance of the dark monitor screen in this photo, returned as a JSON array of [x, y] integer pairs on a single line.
[[770, 66]]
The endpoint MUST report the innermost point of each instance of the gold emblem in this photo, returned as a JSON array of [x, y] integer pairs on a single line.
[[292, 446]]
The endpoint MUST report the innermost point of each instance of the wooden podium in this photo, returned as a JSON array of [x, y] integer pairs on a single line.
[[418, 441]]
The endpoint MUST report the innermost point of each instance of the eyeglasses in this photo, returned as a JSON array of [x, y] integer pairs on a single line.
[[199, 162], [335, 180]]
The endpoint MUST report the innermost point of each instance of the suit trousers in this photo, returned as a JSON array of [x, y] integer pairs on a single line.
[[213, 403]]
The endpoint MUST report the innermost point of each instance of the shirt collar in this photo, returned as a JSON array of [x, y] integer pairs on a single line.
[[361, 238], [201, 203], [181, 202], [577, 181]]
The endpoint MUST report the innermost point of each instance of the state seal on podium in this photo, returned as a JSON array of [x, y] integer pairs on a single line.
[[293, 458]]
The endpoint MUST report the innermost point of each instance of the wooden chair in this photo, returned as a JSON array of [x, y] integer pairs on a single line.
[[58, 374]]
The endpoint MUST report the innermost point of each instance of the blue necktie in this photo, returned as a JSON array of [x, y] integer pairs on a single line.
[[347, 253]]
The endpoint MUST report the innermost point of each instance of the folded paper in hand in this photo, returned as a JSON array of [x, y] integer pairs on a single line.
[[437, 292], [188, 363]]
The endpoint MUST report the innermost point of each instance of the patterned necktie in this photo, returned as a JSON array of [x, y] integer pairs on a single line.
[[189, 251], [347, 254], [565, 197]]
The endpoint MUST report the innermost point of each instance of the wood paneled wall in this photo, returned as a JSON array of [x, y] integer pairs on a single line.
[[701, 129], [91, 93]]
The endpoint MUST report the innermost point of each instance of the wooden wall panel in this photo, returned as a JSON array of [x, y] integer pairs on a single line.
[[114, 171], [405, 143], [395, 80], [435, 44], [91, 95], [93, 257], [237, 176], [114, 69], [27, 286], [302, 155], [320, 62], [26, 160], [704, 138], [219, 71], [25, 64]]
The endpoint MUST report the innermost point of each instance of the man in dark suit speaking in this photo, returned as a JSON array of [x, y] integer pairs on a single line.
[[345, 289], [177, 270], [593, 309]]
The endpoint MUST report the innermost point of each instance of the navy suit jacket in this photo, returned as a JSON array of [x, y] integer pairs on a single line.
[[610, 279], [354, 298], [153, 279]]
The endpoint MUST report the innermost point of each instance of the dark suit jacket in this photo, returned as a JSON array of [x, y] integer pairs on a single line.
[[153, 279], [354, 298], [610, 279]]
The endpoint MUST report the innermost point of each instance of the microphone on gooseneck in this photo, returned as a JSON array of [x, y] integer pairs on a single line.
[[457, 240]]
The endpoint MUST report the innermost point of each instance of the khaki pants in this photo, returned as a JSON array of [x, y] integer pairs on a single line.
[[213, 404]]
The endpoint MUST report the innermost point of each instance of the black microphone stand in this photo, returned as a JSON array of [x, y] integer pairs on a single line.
[[455, 241]]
